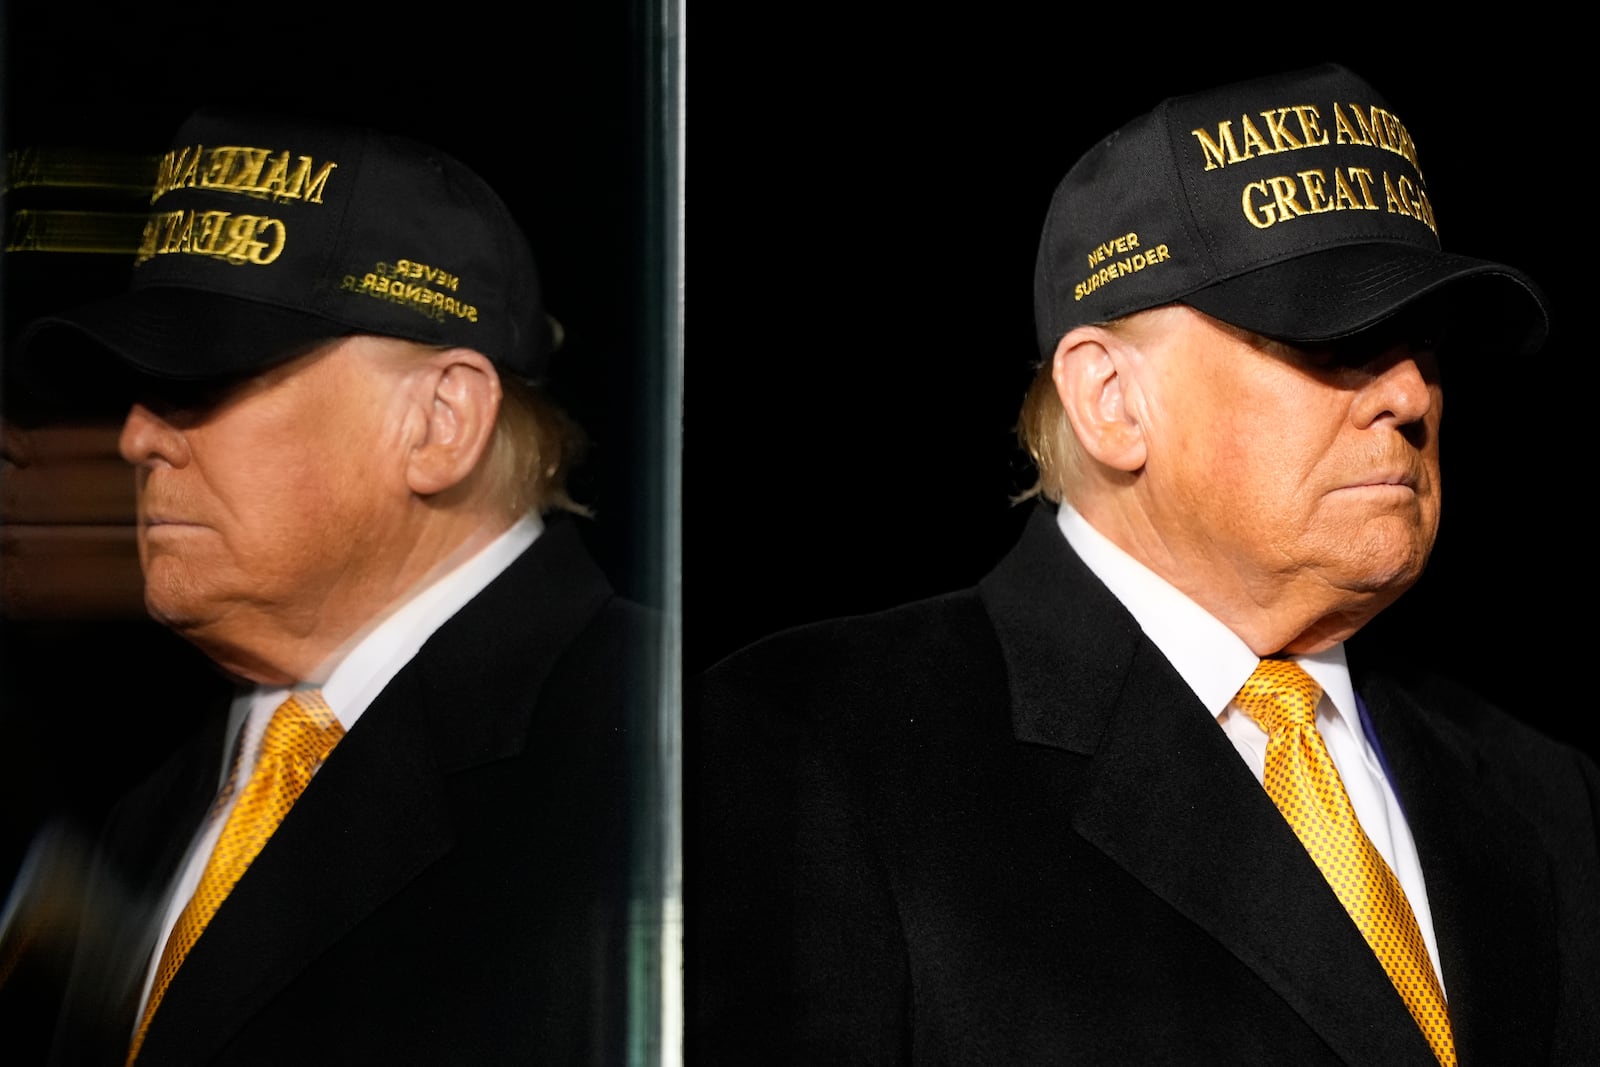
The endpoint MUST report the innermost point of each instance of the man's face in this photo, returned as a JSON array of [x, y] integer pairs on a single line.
[[266, 509], [1300, 476]]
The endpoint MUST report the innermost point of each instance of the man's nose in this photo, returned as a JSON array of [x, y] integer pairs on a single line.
[[1402, 388], [148, 440]]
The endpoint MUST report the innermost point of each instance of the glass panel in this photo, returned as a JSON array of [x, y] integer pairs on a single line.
[[575, 117]]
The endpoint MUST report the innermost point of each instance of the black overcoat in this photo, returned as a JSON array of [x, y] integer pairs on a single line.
[[996, 827], [452, 886]]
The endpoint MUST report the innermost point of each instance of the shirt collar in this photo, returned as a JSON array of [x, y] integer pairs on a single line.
[[1211, 659], [369, 666], [371, 663]]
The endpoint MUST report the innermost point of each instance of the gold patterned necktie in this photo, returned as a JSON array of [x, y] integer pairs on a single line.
[[301, 734], [1303, 782]]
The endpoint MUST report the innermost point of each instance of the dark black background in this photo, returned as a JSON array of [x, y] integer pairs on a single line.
[[864, 248], [868, 191], [868, 188]]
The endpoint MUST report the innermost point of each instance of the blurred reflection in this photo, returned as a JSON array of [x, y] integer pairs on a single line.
[[66, 525], [350, 496]]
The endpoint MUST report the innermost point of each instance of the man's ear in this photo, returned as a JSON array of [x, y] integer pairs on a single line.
[[1092, 371], [460, 391]]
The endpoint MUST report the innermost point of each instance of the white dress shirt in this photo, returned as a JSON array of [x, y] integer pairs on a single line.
[[354, 681], [1215, 663]]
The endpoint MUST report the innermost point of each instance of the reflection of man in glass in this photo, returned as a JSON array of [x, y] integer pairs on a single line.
[[405, 841]]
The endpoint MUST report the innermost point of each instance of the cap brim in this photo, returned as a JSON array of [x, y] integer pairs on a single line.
[[179, 335], [1327, 295]]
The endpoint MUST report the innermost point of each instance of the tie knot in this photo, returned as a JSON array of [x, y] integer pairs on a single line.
[[1279, 694], [303, 729]]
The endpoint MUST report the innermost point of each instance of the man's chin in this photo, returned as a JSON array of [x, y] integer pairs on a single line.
[[1385, 560], [1384, 580], [177, 605], [1353, 594]]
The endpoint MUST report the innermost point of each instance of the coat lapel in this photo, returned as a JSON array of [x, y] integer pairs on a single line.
[[1488, 884], [370, 821], [1167, 798]]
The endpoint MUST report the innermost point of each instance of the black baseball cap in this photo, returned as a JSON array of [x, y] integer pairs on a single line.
[[267, 234], [1293, 206]]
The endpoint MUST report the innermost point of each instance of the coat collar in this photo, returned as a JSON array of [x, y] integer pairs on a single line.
[[1489, 884], [1056, 622]]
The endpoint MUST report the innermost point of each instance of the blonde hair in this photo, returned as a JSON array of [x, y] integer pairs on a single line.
[[1045, 433], [535, 446]]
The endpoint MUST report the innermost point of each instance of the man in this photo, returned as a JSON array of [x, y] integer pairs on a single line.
[[1133, 799], [406, 840]]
